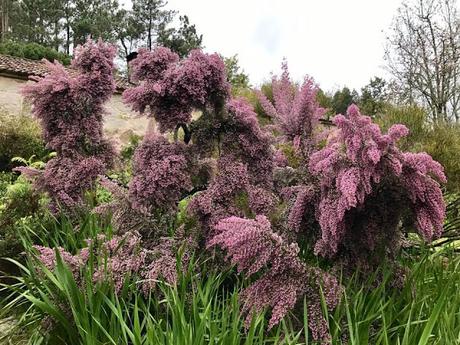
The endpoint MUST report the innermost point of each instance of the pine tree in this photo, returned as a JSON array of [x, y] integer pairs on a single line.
[[151, 17], [181, 40]]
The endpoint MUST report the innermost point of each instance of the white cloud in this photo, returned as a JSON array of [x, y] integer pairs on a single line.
[[337, 42]]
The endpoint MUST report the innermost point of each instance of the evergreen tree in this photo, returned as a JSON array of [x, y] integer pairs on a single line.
[[129, 31], [5, 11], [94, 18], [29, 20], [151, 18], [235, 76], [373, 96], [342, 99], [181, 40]]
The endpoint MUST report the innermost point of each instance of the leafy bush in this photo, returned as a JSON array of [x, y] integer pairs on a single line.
[[33, 51], [441, 140], [22, 209], [413, 117], [20, 136]]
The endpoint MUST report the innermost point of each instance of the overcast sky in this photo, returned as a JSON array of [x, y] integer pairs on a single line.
[[338, 42]]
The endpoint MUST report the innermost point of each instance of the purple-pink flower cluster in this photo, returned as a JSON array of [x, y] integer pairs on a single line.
[[361, 163], [160, 174], [284, 279], [70, 108], [229, 193], [247, 142], [120, 260], [295, 110], [172, 89]]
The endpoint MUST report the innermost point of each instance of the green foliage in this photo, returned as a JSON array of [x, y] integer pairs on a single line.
[[325, 101], [236, 77], [422, 311], [373, 97], [122, 171], [290, 154], [20, 136], [150, 18], [443, 144], [127, 151], [35, 21], [33, 51], [413, 117], [21, 207], [94, 18], [129, 31], [342, 99], [441, 140], [180, 40]]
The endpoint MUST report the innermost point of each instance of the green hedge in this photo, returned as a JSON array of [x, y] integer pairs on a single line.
[[33, 51]]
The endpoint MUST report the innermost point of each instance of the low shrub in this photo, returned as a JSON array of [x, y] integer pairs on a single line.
[[33, 51], [20, 136], [441, 140], [22, 209]]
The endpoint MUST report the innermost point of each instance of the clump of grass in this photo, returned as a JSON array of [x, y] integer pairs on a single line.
[[50, 307]]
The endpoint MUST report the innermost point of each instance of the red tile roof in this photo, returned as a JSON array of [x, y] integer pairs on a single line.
[[23, 68]]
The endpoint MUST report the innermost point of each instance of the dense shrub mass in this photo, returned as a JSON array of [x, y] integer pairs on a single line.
[[270, 198], [295, 111], [361, 169], [20, 136], [160, 174], [172, 89], [33, 51], [70, 110]]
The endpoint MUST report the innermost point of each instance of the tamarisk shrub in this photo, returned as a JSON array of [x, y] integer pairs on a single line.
[[172, 89], [241, 185], [295, 110], [226, 130], [367, 185], [70, 109], [283, 278], [160, 172], [120, 259]]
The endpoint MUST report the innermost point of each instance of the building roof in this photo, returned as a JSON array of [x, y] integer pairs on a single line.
[[17, 67]]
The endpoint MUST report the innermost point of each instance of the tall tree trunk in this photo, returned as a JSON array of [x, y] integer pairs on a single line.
[[149, 34], [67, 30], [4, 19]]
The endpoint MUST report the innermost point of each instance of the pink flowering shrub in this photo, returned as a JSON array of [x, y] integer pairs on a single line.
[[172, 89], [160, 172], [119, 260], [295, 110], [244, 139], [263, 197], [229, 193], [366, 184], [70, 109], [227, 130], [284, 278]]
